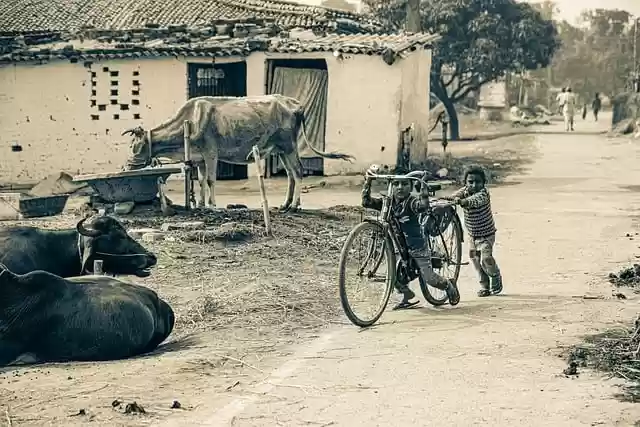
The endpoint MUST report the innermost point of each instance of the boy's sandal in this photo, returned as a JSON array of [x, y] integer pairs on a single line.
[[498, 288], [484, 293], [405, 304]]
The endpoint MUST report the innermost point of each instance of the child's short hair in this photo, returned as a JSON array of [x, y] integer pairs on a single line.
[[475, 170]]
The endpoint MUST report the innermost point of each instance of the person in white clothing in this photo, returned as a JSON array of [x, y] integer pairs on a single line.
[[568, 109], [560, 99]]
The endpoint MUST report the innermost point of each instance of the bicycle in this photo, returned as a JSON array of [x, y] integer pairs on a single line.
[[388, 243]]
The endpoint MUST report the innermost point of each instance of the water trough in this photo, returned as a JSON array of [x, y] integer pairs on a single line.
[[138, 186]]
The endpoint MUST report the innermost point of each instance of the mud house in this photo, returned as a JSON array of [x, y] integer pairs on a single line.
[[69, 87]]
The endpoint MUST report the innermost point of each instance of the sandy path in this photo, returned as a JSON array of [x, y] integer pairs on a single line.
[[494, 362]]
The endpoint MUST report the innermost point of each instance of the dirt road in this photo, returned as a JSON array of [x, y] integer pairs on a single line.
[[491, 361]]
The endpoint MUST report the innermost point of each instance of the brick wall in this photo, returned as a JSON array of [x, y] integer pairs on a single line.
[[52, 120], [52, 114]]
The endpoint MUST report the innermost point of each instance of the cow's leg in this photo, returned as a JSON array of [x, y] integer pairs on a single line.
[[293, 166], [211, 164], [202, 180], [290, 185]]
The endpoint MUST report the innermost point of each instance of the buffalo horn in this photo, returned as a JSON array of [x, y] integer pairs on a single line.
[[86, 231]]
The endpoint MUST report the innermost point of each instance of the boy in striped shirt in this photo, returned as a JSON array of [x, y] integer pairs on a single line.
[[478, 219]]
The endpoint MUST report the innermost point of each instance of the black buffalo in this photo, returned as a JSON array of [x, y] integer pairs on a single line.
[[47, 318], [71, 252]]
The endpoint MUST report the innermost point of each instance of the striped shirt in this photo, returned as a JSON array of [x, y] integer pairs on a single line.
[[478, 218]]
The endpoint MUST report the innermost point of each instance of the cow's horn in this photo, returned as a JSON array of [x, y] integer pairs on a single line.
[[128, 131], [86, 231]]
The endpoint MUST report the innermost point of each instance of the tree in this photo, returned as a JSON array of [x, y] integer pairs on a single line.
[[596, 55], [481, 41]]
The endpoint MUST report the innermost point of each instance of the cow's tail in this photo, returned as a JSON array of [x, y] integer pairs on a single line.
[[302, 121]]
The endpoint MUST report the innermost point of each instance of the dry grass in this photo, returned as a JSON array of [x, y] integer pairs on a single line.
[[617, 352], [628, 277], [240, 279]]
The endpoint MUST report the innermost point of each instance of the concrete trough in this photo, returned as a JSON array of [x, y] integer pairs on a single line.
[[14, 206], [139, 186]]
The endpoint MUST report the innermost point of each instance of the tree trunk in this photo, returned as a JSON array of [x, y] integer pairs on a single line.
[[414, 21], [454, 124]]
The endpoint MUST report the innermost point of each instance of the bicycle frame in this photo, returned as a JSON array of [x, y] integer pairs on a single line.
[[391, 226], [389, 223], [389, 243]]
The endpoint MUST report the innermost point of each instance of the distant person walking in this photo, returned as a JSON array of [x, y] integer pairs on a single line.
[[568, 109], [596, 105], [560, 99]]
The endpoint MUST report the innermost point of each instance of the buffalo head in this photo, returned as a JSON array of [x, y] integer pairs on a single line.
[[107, 240], [140, 149]]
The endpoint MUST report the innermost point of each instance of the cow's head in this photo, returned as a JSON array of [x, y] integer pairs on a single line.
[[107, 240], [140, 148]]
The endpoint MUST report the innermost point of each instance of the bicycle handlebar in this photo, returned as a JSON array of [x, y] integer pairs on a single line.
[[415, 175]]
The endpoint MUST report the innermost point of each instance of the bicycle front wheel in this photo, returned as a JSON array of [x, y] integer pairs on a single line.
[[446, 258], [366, 274]]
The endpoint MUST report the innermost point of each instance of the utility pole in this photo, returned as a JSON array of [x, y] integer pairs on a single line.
[[636, 85], [419, 140], [548, 8]]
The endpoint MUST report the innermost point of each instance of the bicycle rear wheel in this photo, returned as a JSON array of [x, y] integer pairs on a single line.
[[368, 270], [446, 257]]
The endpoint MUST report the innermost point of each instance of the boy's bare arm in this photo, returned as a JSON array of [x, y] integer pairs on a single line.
[[477, 200], [368, 201], [458, 194]]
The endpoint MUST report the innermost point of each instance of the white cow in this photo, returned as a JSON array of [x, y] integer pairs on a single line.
[[227, 128]]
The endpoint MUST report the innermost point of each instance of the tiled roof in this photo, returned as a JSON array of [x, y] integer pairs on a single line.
[[202, 44], [74, 15]]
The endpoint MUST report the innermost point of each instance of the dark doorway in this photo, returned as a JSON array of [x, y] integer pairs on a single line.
[[306, 80], [228, 79]]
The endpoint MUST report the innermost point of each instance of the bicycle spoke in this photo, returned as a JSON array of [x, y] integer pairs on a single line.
[[364, 274], [446, 253]]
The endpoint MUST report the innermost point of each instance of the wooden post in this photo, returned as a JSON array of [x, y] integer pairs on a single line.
[[165, 206], [263, 194], [97, 267], [187, 164]]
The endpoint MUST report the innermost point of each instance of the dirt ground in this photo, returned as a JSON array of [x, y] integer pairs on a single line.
[[260, 339], [240, 294]]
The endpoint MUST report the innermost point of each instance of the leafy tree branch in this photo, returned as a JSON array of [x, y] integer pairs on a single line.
[[481, 41]]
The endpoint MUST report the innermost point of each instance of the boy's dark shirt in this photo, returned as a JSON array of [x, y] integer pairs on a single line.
[[407, 213]]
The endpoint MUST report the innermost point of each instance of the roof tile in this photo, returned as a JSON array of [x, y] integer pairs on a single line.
[[73, 15], [120, 44]]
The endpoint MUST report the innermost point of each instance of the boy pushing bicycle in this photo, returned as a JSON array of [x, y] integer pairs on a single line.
[[407, 209], [475, 200]]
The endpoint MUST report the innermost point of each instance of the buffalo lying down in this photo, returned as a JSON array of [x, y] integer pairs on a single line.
[[71, 252], [46, 318]]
